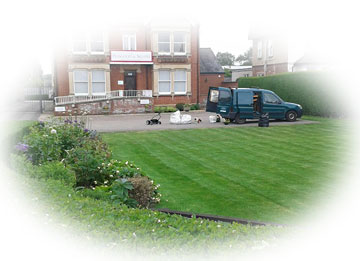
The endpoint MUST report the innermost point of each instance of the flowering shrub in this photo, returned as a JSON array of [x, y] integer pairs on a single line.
[[85, 160], [144, 191], [68, 152]]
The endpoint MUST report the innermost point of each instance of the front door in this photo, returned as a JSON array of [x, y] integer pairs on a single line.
[[130, 80]]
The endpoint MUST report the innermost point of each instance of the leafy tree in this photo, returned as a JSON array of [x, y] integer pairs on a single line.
[[225, 58], [245, 58]]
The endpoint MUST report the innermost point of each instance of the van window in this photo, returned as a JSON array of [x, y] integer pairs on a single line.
[[225, 96], [214, 96], [271, 98], [245, 98]]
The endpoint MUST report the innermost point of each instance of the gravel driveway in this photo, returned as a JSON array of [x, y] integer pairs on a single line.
[[137, 122]]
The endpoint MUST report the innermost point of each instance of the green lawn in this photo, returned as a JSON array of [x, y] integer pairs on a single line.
[[266, 174]]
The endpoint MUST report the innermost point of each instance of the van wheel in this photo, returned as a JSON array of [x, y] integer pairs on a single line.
[[291, 116], [238, 120]]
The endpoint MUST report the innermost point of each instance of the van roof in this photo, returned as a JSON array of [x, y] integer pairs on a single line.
[[250, 89]]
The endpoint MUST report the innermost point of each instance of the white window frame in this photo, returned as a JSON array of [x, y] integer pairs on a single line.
[[74, 82], [91, 41], [184, 42], [160, 52], [185, 81], [164, 93], [92, 81], [259, 49], [126, 38], [79, 52]]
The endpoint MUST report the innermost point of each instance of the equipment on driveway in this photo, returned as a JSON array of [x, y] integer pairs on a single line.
[[154, 120], [177, 118]]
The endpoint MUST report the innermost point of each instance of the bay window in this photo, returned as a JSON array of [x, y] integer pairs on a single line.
[[180, 82], [164, 82], [98, 82], [81, 84]]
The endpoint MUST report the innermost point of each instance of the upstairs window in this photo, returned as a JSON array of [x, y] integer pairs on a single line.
[[97, 43], [98, 82], [81, 84], [129, 42], [179, 43], [180, 82], [79, 43], [164, 42], [164, 82]]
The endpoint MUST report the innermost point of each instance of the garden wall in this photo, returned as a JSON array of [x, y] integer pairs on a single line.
[[315, 91], [117, 106]]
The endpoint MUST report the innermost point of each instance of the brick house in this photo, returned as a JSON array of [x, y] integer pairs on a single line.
[[270, 52], [128, 68]]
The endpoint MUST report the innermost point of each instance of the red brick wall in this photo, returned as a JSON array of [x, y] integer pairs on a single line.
[[207, 80], [141, 82], [61, 72]]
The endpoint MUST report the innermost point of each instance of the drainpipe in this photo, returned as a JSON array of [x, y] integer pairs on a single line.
[[197, 66]]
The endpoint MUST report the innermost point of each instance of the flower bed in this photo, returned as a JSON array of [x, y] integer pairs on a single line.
[[71, 145]]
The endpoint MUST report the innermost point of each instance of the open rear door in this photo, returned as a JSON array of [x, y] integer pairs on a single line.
[[213, 99]]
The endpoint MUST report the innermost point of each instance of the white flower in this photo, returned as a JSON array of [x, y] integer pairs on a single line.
[[95, 182], [218, 225], [111, 176], [103, 164], [105, 182], [134, 234], [158, 220], [53, 131], [117, 172], [126, 162]]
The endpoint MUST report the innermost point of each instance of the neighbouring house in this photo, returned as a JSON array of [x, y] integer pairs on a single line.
[[311, 62], [272, 52], [239, 71], [128, 68], [211, 73]]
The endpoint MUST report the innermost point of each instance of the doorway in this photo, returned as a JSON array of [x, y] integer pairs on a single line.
[[130, 80]]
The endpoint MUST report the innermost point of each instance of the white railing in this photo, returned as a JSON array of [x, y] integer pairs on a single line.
[[119, 94]]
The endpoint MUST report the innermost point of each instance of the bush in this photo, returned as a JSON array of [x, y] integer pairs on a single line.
[[195, 107], [144, 191], [86, 161], [180, 106], [162, 109], [57, 171], [312, 90]]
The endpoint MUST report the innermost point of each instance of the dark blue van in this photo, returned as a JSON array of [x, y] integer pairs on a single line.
[[238, 104]]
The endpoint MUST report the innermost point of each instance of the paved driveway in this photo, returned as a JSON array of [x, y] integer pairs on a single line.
[[137, 122]]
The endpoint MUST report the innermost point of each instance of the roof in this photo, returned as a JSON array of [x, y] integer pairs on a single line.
[[238, 67], [208, 62], [311, 59]]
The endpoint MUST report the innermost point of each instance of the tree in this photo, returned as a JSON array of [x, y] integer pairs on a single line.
[[225, 59], [245, 58]]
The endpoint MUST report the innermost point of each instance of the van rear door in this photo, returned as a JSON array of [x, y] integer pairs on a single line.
[[225, 102], [212, 100]]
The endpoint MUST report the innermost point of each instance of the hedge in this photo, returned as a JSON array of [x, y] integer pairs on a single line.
[[314, 91]]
